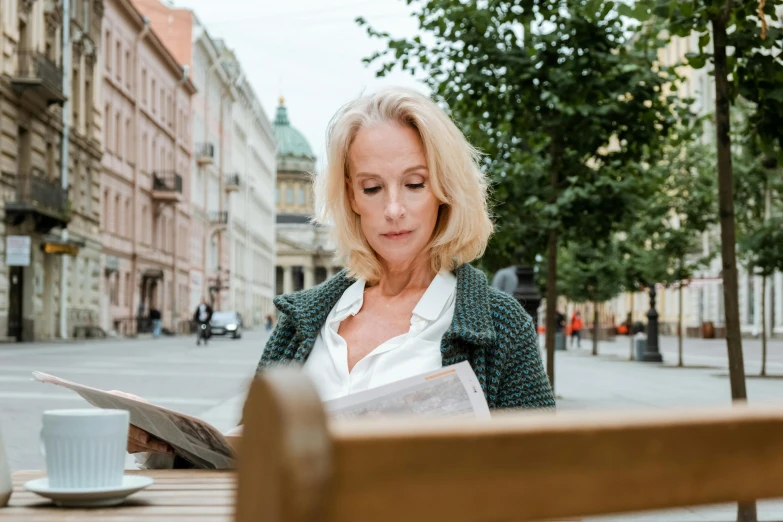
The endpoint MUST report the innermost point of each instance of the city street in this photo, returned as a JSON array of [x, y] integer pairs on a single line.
[[170, 371], [210, 382]]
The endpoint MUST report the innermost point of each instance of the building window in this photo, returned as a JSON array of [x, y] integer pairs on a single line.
[[119, 59], [128, 290], [128, 219], [289, 196], [145, 225], [106, 211], [117, 215], [87, 192], [143, 163], [107, 131], [129, 136], [277, 195], [75, 97], [118, 137], [144, 86], [128, 69], [113, 284], [300, 196], [107, 51], [154, 99], [88, 106]]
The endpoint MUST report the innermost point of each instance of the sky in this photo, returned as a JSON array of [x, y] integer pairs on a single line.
[[308, 51]]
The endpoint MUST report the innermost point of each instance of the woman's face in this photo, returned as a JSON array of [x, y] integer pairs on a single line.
[[389, 188]]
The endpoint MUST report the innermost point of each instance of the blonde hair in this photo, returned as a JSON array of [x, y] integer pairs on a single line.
[[463, 226]]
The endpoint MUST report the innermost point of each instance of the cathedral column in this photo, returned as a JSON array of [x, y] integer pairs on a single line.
[[309, 277], [288, 280]]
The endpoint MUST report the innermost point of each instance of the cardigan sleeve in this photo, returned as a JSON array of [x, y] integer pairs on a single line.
[[524, 381], [277, 347]]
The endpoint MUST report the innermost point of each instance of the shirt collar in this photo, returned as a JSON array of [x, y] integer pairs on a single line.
[[352, 295], [429, 307], [437, 296]]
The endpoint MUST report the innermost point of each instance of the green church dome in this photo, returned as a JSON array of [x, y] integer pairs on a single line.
[[290, 142]]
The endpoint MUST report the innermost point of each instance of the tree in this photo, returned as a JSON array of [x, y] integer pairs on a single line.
[[665, 240], [591, 272], [755, 72], [560, 80], [759, 220]]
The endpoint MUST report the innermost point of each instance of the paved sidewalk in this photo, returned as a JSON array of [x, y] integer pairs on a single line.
[[609, 381]]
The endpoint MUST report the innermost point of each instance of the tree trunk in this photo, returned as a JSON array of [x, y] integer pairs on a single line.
[[679, 330], [551, 306], [630, 327], [595, 328], [551, 279], [763, 326], [746, 512]]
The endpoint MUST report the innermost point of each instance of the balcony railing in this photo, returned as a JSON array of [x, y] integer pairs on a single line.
[[232, 182], [167, 182], [218, 217], [36, 71], [41, 198], [205, 153]]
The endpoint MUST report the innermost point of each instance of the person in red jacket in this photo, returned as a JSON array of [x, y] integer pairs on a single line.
[[576, 329]]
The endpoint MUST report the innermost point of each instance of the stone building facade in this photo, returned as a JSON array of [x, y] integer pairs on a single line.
[[146, 182], [305, 252], [250, 198], [51, 225]]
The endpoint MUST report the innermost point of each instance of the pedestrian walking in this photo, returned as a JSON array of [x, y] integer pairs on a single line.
[[201, 317], [157, 323], [576, 329], [269, 322]]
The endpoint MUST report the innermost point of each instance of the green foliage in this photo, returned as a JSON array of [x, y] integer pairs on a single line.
[[547, 90], [755, 69], [590, 271], [664, 241], [758, 187]]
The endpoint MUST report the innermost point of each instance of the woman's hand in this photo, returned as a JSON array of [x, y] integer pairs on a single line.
[[139, 441]]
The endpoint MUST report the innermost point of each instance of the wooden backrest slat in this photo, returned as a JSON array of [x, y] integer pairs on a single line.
[[520, 468]]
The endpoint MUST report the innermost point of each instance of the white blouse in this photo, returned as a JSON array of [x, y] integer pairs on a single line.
[[407, 355]]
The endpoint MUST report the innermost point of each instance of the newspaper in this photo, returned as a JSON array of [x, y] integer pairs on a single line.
[[194, 440], [451, 391]]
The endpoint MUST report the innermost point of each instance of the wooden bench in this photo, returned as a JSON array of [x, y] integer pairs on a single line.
[[295, 466]]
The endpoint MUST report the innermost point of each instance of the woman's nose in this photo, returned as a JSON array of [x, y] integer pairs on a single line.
[[394, 208]]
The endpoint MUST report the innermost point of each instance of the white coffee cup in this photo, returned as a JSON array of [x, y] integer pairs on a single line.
[[85, 448]]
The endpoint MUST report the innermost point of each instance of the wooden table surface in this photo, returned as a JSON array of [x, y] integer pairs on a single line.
[[198, 495]]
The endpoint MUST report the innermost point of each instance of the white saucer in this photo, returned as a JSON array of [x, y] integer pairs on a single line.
[[89, 497]]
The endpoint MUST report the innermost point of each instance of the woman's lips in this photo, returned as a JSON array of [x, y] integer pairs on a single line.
[[402, 234]]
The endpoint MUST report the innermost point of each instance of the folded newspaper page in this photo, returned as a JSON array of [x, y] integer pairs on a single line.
[[194, 440], [451, 391]]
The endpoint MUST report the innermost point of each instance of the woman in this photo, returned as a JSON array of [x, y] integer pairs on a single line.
[[408, 206]]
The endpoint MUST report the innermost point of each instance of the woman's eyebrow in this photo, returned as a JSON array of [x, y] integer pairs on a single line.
[[417, 167]]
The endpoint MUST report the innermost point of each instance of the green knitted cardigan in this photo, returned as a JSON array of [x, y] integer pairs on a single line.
[[489, 329]]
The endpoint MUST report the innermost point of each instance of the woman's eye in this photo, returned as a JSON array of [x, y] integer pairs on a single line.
[[371, 190], [415, 186]]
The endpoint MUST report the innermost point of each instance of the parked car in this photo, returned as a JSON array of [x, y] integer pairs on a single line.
[[226, 323]]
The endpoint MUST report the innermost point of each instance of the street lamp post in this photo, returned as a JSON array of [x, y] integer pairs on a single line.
[[527, 292], [652, 352]]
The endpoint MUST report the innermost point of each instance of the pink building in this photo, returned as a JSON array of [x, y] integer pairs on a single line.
[[216, 93], [146, 183]]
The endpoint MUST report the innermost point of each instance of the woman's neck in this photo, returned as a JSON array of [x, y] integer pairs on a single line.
[[397, 279]]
